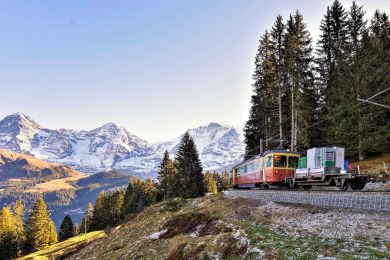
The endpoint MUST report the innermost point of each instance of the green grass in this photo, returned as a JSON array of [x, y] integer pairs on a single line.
[[65, 247]]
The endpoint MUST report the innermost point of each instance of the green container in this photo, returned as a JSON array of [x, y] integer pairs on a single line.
[[329, 164], [302, 162]]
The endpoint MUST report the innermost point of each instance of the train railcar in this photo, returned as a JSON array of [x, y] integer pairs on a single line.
[[318, 167], [271, 168]]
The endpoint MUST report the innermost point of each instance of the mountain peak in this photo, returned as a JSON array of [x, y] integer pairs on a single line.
[[19, 120], [214, 125], [111, 125]]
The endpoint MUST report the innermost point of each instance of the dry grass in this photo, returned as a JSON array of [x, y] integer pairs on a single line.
[[53, 185], [374, 166], [62, 249]]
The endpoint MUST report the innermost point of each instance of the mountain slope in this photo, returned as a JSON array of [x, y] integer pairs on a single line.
[[112, 147], [15, 165]]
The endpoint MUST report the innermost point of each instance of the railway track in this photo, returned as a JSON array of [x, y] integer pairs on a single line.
[[362, 200], [317, 190]]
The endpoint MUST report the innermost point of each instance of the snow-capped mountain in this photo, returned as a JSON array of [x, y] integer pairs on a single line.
[[113, 147]]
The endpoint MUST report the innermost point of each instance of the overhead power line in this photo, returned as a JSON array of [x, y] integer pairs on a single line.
[[375, 103]]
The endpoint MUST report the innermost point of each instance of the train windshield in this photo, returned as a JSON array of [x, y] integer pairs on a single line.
[[292, 162], [280, 161]]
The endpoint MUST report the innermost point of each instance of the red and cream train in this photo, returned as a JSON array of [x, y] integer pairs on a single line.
[[271, 168]]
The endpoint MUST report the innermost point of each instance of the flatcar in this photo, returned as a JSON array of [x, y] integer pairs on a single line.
[[271, 168]]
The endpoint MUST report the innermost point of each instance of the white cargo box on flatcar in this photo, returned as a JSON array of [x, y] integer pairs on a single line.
[[302, 173], [325, 156]]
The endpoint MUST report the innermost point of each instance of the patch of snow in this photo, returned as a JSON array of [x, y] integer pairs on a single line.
[[198, 228], [156, 235]]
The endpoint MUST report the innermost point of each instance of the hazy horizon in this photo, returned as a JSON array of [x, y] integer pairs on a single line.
[[155, 68]]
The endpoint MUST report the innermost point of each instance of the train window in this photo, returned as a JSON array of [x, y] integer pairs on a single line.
[[268, 162], [239, 171], [280, 161], [293, 162]]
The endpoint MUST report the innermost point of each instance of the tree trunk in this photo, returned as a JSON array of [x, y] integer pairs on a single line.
[[292, 118], [280, 115]]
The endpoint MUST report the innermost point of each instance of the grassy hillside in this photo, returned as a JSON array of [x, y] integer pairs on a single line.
[[373, 165], [66, 247], [215, 227]]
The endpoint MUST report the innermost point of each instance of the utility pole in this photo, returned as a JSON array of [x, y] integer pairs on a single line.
[[261, 146], [85, 223]]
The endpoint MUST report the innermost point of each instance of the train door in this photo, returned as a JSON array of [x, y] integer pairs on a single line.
[[267, 170], [292, 165], [258, 169]]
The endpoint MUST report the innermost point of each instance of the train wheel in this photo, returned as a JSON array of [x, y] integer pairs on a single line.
[[291, 184], [266, 186], [361, 185], [306, 187], [355, 185], [345, 186]]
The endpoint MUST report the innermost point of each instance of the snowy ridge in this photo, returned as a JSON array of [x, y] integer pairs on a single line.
[[113, 147]]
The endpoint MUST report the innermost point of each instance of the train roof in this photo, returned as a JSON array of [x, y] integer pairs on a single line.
[[264, 154]]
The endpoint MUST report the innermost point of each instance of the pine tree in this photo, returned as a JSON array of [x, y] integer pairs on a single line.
[[99, 218], [263, 114], [76, 229], [211, 182], [40, 229], [167, 177], [139, 194], [277, 40], [8, 235], [300, 78], [150, 190], [189, 169], [18, 210], [66, 229], [224, 181], [353, 80], [375, 56], [114, 204], [127, 207]]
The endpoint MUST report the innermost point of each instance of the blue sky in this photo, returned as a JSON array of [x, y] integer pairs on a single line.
[[154, 67]]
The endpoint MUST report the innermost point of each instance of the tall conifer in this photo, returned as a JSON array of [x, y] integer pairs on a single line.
[[167, 179], [18, 210], [40, 229], [66, 229], [8, 235], [189, 169]]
